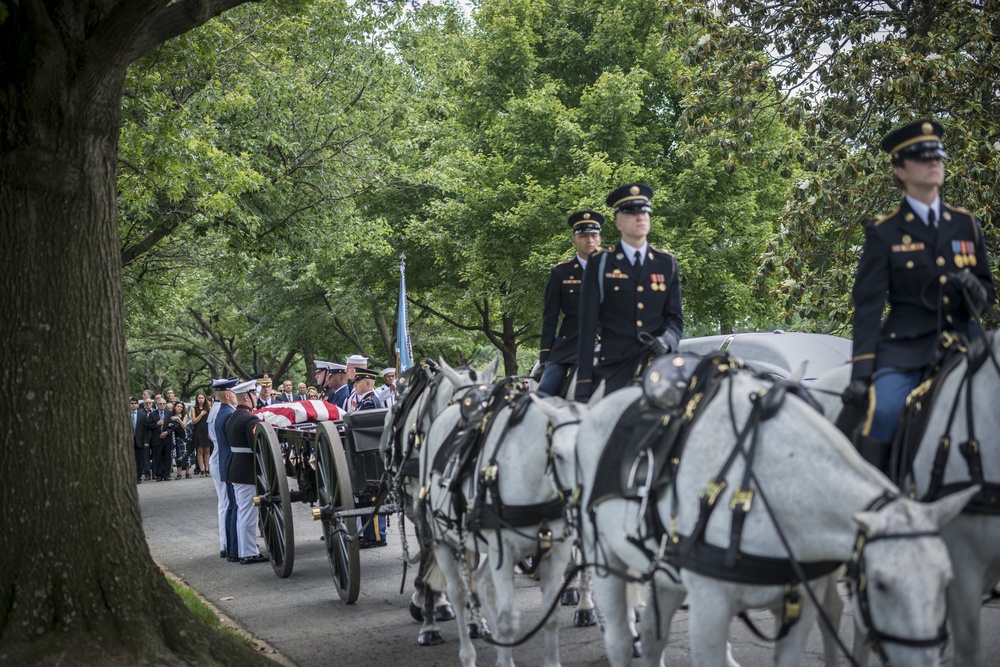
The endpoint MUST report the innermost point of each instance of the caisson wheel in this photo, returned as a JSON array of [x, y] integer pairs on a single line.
[[273, 499], [336, 494]]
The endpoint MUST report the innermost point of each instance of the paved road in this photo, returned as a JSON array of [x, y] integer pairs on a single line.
[[303, 618]]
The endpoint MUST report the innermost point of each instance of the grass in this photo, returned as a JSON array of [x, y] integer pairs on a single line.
[[205, 613]]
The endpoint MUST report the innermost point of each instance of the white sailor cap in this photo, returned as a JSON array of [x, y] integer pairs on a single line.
[[386, 371], [244, 387], [322, 365], [357, 360]]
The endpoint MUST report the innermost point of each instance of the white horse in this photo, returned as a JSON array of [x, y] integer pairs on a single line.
[[401, 446], [973, 538], [518, 468], [818, 489]]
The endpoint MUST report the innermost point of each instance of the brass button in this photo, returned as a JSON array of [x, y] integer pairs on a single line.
[[571, 291], [940, 261], [639, 288], [943, 279], [909, 265], [616, 288], [602, 358], [945, 300], [892, 335], [638, 323], [949, 318], [946, 215], [639, 306]]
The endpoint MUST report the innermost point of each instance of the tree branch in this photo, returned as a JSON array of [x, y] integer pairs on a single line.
[[171, 20]]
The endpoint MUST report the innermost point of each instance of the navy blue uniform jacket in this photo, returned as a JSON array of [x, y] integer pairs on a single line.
[[904, 261], [636, 299], [562, 295], [240, 434]]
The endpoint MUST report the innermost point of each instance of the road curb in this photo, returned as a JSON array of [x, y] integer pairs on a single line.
[[258, 644]]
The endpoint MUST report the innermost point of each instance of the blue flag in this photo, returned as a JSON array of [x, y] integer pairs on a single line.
[[404, 351]]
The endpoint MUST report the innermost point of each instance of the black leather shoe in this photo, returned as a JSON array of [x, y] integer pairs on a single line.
[[259, 558], [222, 553], [233, 559], [365, 543]]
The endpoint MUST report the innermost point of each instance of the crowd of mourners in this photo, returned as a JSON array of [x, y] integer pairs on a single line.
[[171, 438]]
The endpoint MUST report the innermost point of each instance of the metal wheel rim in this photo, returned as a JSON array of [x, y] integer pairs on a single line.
[[276, 511]]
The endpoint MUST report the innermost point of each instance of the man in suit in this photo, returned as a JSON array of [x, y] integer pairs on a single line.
[[630, 290], [562, 298], [140, 441], [222, 387], [143, 454], [928, 259], [240, 429], [285, 395], [302, 389], [158, 425]]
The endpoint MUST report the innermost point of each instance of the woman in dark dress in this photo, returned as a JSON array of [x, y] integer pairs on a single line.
[[202, 444], [178, 430]]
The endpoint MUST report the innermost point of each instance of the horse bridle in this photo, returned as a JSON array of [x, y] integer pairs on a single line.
[[857, 581]]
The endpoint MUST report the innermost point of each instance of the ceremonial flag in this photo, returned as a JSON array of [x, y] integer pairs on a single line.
[[404, 351]]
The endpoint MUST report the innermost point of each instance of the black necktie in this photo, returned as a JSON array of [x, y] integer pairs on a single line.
[[931, 221], [635, 259]]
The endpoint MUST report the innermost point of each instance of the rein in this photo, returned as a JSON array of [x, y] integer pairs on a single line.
[[857, 580]]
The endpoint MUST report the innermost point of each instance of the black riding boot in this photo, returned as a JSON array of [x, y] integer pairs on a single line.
[[874, 451]]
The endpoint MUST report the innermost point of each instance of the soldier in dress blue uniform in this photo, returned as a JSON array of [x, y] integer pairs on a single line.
[[629, 289], [562, 297], [928, 259], [240, 435], [367, 399]]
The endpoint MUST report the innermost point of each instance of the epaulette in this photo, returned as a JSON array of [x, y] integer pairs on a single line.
[[601, 248], [565, 261], [882, 218], [661, 251], [957, 209]]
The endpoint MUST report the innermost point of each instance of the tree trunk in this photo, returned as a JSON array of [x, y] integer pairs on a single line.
[[77, 584]]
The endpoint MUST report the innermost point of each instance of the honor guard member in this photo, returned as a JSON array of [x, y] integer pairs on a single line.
[[367, 399], [221, 387], [629, 289], [264, 397], [928, 259], [339, 390], [387, 392], [240, 434], [562, 297]]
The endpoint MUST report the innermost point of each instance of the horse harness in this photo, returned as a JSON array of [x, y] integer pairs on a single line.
[[458, 459], [987, 501], [857, 581]]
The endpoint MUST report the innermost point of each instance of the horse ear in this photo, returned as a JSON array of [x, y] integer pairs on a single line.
[[550, 411], [870, 522], [799, 373], [944, 510], [450, 373], [490, 372]]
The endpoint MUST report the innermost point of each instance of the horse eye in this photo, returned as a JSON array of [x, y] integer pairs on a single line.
[[881, 586]]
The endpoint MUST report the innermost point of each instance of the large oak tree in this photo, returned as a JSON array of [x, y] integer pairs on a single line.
[[77, 584]]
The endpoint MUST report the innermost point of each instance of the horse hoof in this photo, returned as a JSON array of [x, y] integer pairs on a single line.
[[474, 631], [444, 613], [570, 598], [585, 618], [430, 638], [636, 648], [417, 613]]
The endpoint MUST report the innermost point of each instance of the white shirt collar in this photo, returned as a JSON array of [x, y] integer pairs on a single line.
[[921, 208], [582, 261], [630, 252]]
